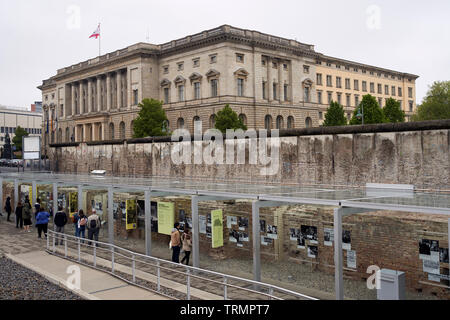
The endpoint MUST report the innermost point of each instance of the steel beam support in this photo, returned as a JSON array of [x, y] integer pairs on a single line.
[[16, 193], [34, 199], [80, 199], [110, 215], [148, 224], [55, 202], [338, 257], [256, 234], [195, 232]]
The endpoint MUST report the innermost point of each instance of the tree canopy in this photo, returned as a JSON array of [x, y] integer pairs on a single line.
[[371, 109], [335, 115], [436, 104], [17, 140], [228, 119], [393, 111], [151, 120]]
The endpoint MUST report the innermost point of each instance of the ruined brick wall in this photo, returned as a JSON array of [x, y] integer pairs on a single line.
[[409, 157]]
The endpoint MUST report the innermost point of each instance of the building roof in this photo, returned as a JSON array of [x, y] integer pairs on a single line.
[[219, 34]]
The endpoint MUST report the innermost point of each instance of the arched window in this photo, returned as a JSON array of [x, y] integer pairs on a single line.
[[111, 131], [280, 122], [59, 135], [212, 121], [290, 122], [122, 130], [268, 122], [180, 123], [308, 122], [67, 134], [243, 118], [196, 118]]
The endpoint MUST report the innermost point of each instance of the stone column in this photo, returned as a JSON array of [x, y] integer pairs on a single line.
[[89, 96], [108, 91], [280, 82], [269, 79], [81, 98], [84, 135], [73, 98], [99, 93], [119, 91], [128, 95]]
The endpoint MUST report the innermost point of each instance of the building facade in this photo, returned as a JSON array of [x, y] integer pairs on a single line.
[[10, 119], [269, 81]]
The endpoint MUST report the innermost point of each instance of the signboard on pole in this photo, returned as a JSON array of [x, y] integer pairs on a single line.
[[166, 217], [217, 228], [31, 148]]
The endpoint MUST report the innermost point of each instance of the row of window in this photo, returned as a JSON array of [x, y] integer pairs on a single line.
[[363, 71], [393, 91], [196, 62], [356, 99], [13, 130]]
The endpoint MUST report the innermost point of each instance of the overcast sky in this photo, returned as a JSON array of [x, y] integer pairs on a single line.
[[39, 36]]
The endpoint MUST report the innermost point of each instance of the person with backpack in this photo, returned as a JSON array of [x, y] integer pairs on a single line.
[[26, 215], [42, 221], [82, 221], [37, 207], [93, 225], [19, 219], [75, 219], [8, 207], [186, 238], [60, 220]]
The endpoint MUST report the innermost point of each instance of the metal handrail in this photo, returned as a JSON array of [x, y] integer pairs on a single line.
[[189, 272]]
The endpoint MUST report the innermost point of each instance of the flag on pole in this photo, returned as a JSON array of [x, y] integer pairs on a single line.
[[96, 33]]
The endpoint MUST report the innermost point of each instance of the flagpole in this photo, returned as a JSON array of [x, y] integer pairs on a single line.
[[99, 40]]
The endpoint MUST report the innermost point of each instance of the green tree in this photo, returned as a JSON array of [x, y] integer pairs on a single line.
[[372, 111], [335, 115], [228, 119], [17, 140], [151, 120], [436, 104], [393, 111]]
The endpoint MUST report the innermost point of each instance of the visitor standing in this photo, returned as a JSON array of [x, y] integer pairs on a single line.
[[93, 225], [42, 221], [8, 207], [175, 240], [19, 219], [187, 245], [60, 220], [26, 215], [82, 220]]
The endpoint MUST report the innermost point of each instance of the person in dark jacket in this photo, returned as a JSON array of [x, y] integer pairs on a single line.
[[8, 207], [60, 220], [26, 215], [19, 219], [42, 221]]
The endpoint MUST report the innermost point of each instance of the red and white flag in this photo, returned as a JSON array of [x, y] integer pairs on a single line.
[[96, 33]]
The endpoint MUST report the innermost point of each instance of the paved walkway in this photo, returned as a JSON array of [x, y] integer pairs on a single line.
[[26, 249]]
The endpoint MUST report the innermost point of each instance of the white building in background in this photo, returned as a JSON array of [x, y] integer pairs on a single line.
[[10, 119]]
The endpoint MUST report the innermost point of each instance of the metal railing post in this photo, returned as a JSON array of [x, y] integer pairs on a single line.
[[112, 259], [133, 268], [95, 255], [65, 246], [79, 250], [48, 243], [270, 293], [53, 239], [188, 285], [158, 276], [225, 293]]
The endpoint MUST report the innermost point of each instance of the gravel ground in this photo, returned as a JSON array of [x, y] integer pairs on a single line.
[[20, 283]]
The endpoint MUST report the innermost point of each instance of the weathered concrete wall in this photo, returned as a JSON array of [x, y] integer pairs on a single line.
[[411, 157]]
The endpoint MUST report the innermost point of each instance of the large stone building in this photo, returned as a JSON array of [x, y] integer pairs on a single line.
[[269, 81]]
